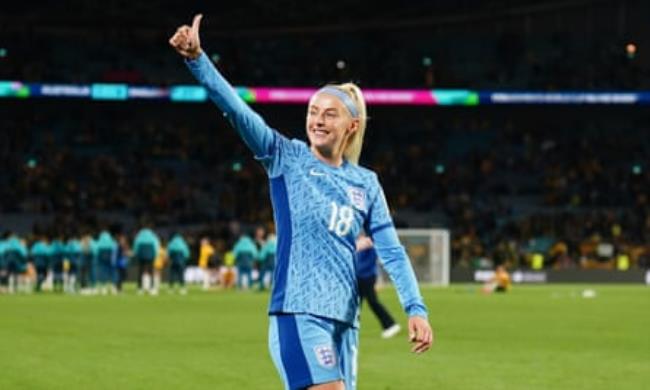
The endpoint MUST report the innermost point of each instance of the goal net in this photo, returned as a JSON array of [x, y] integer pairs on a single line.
[[428, 250]]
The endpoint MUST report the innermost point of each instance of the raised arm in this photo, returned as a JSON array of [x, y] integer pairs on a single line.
[[251, 127]]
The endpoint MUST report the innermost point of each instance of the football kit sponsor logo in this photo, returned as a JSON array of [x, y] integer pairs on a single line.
[[314, 172]]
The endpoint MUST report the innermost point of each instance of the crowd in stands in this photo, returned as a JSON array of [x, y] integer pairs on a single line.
[[502, 183], [570, 185], [392, 61], [406, 47]]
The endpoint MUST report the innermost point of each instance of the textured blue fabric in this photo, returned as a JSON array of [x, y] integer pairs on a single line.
[[282, 217], [319, 211]]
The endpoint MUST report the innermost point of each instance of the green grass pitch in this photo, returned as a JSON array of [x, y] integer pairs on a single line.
[[536, 337]]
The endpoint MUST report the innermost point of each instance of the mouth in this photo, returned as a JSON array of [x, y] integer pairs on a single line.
[[320, 132]]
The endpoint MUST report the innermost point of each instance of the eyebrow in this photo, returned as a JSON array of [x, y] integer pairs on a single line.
[[315, 107]]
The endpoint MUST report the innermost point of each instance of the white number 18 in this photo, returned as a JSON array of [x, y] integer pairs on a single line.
[[340, 219]]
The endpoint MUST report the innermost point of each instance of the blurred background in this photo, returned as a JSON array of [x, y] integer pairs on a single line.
[[568, 181], [505, 133]]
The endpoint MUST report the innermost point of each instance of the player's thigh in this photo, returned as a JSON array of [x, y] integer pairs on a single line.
[[348, 347], [337, 385]]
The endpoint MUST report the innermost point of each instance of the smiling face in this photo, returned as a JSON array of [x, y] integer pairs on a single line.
[[329, 125]]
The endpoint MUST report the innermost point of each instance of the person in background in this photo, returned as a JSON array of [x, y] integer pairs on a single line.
[[260, 239], [15, 254], [74, 256], [366, 279], [158, 266], [145, 249], [3, 267], [228, 270], [178, 253], [245, 253], [88, 274], [267, 263], [499, 283], [106, 252], [216, 262], [40, 254], [122, 264], [206, 251], [57, 257]]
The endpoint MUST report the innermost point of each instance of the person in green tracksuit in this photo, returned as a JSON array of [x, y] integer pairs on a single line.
[[40, 253], [3, 266], [245, 252], [106, 253], [15, 254], [57, 258], [88, 271], [74, 255], [145, 250], [178, 253], [267, 260]]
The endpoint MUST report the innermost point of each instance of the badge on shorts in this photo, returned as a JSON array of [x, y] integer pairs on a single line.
[[325, 355], [357, 197]]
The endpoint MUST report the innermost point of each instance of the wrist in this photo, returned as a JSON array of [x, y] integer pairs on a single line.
[[417, 310], [194, 55]]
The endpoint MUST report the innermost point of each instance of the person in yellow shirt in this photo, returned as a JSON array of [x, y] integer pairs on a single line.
[[228, 270], [158, 266], [206, 251], [500, 282]]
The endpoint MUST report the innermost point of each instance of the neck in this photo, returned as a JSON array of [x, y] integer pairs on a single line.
[[328, 158]]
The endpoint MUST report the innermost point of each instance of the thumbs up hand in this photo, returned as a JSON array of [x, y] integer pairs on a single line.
[[186, 40]]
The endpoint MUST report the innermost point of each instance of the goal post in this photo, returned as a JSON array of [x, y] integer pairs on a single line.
[[429, 252]]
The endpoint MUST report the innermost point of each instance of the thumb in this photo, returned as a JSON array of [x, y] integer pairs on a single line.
[[196, 23], [413, 331]]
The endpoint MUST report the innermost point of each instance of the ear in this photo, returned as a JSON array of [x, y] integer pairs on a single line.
[[354, 126]]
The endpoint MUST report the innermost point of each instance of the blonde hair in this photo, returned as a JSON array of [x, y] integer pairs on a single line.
[[354, 144]]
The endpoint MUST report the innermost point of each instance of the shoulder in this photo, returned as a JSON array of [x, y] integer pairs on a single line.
[[298, 147], [298, 143], [365, 171], [365, 174]]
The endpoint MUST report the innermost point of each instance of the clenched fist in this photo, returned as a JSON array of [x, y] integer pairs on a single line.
[[186, 39]]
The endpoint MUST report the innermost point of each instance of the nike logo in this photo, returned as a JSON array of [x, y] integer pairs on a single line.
[[314, 172]]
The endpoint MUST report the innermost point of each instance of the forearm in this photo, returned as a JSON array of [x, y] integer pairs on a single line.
[[250, 126], [397, 265]]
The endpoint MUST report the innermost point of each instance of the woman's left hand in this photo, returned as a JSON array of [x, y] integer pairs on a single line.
[[420, 334]]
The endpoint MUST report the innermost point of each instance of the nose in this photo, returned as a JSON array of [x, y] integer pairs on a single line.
[[320, 120]]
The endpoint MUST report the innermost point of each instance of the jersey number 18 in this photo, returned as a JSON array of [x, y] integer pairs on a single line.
[[341, 219]]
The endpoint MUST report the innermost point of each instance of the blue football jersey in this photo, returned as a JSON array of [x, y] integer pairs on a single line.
[[319, 211]]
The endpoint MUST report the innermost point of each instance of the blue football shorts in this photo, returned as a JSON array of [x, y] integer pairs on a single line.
[[309, 350]]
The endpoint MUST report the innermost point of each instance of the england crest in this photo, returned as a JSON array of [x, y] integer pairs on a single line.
[[325, 355], [357, 197]]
